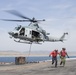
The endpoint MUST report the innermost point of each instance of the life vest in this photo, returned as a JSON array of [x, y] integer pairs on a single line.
[[54, 54], [63, 53]]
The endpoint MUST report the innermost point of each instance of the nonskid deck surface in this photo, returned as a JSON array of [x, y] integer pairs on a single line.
[[41, 68]]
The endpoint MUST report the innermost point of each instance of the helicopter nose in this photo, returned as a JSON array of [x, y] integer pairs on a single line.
[[11, 33], [14, 34]]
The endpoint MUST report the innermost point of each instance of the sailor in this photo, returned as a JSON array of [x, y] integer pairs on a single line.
[[63, 55], [54, 56]]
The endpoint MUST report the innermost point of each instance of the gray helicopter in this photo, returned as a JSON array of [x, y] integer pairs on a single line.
[[32, 33]]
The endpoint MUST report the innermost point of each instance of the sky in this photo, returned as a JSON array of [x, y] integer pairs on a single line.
[[60, 16]]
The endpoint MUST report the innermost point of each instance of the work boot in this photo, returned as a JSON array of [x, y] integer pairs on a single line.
[[52, 63]]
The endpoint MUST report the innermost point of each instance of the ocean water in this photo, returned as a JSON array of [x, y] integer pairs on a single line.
[[28, 59]]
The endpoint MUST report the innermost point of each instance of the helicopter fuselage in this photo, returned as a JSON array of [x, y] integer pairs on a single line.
[[30, 34]]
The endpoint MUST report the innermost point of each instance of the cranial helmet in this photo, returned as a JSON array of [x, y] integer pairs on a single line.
[[63, 48]]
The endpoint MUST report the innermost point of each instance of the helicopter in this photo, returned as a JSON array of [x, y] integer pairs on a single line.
[[32, 33]]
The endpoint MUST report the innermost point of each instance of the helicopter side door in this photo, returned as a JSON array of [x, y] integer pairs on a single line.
[[28, 33]]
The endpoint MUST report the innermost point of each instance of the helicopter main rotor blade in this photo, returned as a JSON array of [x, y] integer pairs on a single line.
[[15, 20], [41, 20], [22, 20], [14, 12]]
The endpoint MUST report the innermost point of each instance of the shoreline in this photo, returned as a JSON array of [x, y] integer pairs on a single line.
[[25, 54]]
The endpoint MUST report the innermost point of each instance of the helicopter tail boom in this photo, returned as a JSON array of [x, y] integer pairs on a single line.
[[52, 39]]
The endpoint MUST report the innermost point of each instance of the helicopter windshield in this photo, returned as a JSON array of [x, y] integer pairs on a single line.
[[17, 28], [36, 25]]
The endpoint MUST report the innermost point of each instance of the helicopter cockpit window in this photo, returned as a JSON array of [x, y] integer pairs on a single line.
[[17, 28]]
